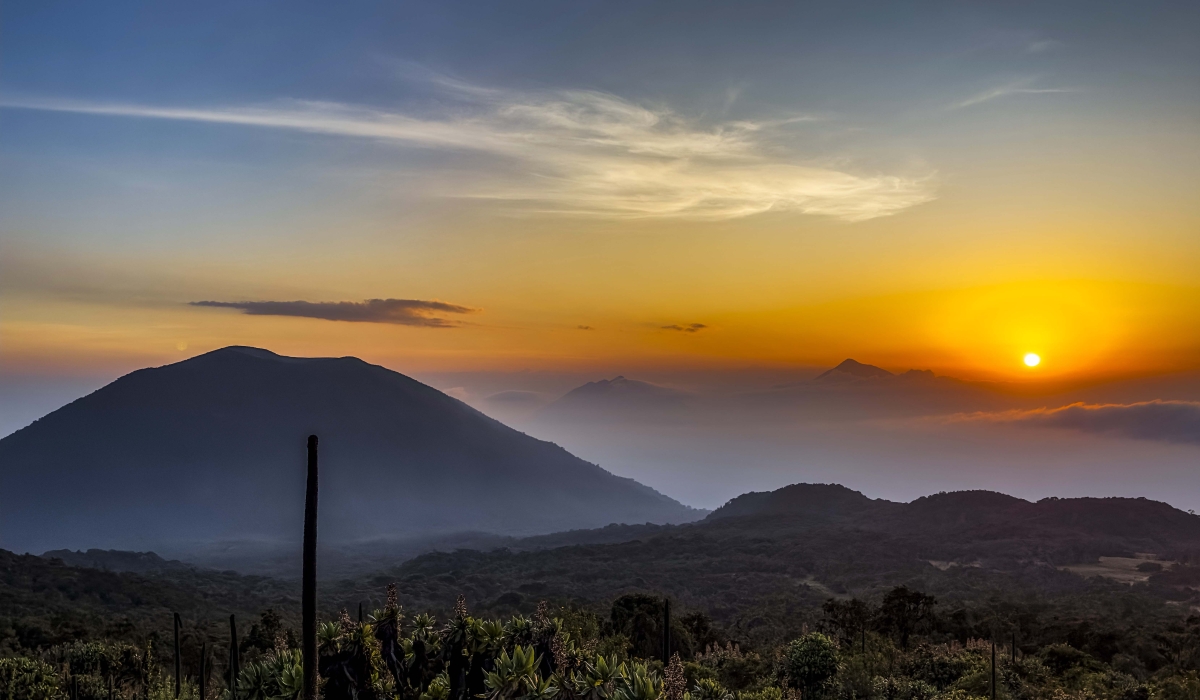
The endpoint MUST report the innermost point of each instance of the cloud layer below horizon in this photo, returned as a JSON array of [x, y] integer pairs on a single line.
[[1168, 421], [585, 153], [405, 312]]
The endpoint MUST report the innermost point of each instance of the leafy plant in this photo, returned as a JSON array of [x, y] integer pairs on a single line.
[[811, 664]]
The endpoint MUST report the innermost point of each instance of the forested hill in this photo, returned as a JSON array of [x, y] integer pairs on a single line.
[[970, 520], [213, 448], [765, 561], [43, 601], [762, 566]]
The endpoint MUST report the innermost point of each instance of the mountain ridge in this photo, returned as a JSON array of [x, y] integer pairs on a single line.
[[213, 446]]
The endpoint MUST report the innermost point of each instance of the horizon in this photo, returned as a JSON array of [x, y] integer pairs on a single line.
[[717, 417]]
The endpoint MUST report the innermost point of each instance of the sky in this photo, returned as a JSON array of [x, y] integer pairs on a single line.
[[537, 193]]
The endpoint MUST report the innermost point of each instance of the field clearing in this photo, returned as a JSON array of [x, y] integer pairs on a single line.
[[1120, 569]]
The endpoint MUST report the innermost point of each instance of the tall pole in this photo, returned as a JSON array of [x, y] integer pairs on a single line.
[[235, 661], [308, 600], [993, 668], [666, 638], [203, 670], [178, 665]]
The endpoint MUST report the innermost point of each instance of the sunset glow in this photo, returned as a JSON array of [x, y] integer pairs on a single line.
[[570, 218]]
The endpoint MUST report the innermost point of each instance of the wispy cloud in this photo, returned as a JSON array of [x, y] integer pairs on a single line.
[[687, 328], [405, 312], [1170, 421], [585, 153], [516, 397], [1043, 45], [1020, 87]]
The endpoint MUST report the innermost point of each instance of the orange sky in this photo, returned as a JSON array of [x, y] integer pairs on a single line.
[[949, 194]]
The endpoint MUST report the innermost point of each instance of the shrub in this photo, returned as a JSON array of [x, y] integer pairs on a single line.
[[23, 678], [811, 663]]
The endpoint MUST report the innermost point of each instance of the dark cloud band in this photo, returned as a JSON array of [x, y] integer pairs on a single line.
[[405, 312], [689, 328], [1169, 421]]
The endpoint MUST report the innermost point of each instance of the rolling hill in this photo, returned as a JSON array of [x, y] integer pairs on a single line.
[[212, 448], [765, 561]]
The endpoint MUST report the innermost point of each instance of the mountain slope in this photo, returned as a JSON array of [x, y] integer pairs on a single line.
[[213, 448]]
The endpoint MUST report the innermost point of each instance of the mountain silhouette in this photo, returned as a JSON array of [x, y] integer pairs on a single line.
[[970, 517], [798, 500], [853, 369], [212, 448], [618, 398]]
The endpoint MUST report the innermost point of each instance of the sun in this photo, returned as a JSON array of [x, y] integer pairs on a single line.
[[1032, 360]]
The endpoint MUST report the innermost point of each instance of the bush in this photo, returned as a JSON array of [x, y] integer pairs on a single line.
[[939, 666], [768, 693], [811, 664], [1060, 658], [23, 678]]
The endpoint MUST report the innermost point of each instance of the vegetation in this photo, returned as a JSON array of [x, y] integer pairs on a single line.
[[44, 603], [856, 650], [948, 598]]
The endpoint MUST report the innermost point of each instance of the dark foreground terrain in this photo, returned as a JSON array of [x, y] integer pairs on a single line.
[[1102, 588]]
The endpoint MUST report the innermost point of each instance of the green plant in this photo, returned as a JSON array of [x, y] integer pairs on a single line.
[[22, 678], [278, 676], [515, 677], [709, 689], [811, 663]]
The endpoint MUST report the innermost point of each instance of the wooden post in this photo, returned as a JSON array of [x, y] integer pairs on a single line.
[[308, 600], [178, 663], [235, 660], [666, 638], [993, 669], [203, 670]]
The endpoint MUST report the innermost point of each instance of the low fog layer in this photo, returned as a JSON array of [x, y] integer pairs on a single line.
[[899, 435]]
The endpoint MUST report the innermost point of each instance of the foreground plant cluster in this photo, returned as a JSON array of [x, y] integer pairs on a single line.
[[859, 653]]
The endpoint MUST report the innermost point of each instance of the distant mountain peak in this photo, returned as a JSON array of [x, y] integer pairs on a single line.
[[621, 383], [854, 368], [619, 397]]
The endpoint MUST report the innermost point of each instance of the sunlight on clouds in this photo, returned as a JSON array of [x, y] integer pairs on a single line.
[[588, 153]]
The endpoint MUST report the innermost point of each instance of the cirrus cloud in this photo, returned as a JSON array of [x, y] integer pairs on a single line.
[[1020, 87], [405, 312], [582, 153]]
